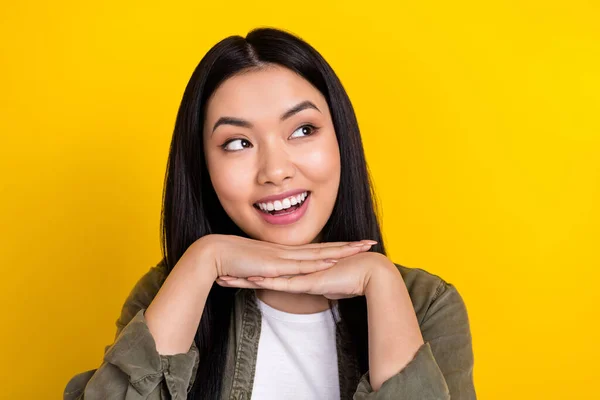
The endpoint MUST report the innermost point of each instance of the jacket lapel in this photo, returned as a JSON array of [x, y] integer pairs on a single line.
[[247, 333]]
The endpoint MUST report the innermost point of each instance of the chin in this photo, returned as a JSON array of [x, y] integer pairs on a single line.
[[286, 235], [290, 239], [293, 237]]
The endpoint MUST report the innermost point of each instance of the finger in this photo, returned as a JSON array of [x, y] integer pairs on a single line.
[[295, 284], [319, 253], [237, 283], [313, 245], [324, 244], [281, 266]]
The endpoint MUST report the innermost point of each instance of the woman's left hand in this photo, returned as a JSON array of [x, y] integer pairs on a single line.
[[349, 277]]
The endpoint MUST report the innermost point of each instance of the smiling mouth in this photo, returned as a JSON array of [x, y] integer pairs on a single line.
[[284, 211]]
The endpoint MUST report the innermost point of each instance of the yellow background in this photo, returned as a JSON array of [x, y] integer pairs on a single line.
[[481, 125]]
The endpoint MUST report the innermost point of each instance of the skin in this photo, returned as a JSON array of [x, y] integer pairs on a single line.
[[279, 156], [275, 156]]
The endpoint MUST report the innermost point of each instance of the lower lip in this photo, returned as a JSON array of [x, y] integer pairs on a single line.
[[286, 219]]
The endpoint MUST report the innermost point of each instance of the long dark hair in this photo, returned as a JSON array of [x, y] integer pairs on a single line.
[[191, 208]]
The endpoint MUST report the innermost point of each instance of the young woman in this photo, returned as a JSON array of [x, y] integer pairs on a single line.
[[274, 282]]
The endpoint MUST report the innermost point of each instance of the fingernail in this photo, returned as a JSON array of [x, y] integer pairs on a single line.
[[227, 278], [330, 260], [371, 241], [255, 278]]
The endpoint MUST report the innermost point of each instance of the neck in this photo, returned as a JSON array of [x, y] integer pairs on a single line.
[[294, 303]]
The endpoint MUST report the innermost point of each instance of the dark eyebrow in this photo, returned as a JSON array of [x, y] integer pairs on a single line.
[[246, 124], [297, 108], [231, 121]]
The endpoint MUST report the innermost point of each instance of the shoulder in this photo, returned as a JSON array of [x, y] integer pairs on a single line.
[[142, 293], [427, 289]]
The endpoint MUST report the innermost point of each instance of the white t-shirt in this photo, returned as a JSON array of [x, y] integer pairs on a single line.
[[297, 356]]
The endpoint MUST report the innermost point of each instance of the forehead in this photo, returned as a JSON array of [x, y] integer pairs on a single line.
[[261, 94]]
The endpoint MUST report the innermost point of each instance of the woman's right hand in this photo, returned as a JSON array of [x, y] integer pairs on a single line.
[[241, 257]]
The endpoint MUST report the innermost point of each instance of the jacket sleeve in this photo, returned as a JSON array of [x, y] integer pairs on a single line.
[[442, 368], [132, 368]]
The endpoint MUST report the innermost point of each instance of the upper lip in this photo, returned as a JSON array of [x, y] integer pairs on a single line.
[[280, 196]]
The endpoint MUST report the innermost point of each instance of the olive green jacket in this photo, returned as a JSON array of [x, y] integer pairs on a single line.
[[132, 368]]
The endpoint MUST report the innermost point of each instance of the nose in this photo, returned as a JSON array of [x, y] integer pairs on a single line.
[[275, 164]]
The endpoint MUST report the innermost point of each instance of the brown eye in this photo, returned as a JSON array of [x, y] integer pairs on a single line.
[[226, 147], [306, 130]]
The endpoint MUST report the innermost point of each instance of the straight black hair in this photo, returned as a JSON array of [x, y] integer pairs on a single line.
[[192, 210]]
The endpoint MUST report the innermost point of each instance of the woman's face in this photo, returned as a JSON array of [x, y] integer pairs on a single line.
[[264, 144]]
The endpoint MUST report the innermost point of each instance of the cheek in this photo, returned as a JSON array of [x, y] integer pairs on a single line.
[[232, 183], [322, 162]]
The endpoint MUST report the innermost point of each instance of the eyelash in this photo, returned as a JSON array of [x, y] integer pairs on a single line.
[[313, 128]]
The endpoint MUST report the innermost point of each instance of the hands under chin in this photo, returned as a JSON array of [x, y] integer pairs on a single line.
[[394, 332], [349, 277]]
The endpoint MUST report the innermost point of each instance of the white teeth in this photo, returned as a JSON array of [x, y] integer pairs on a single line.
[[283, 204]]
